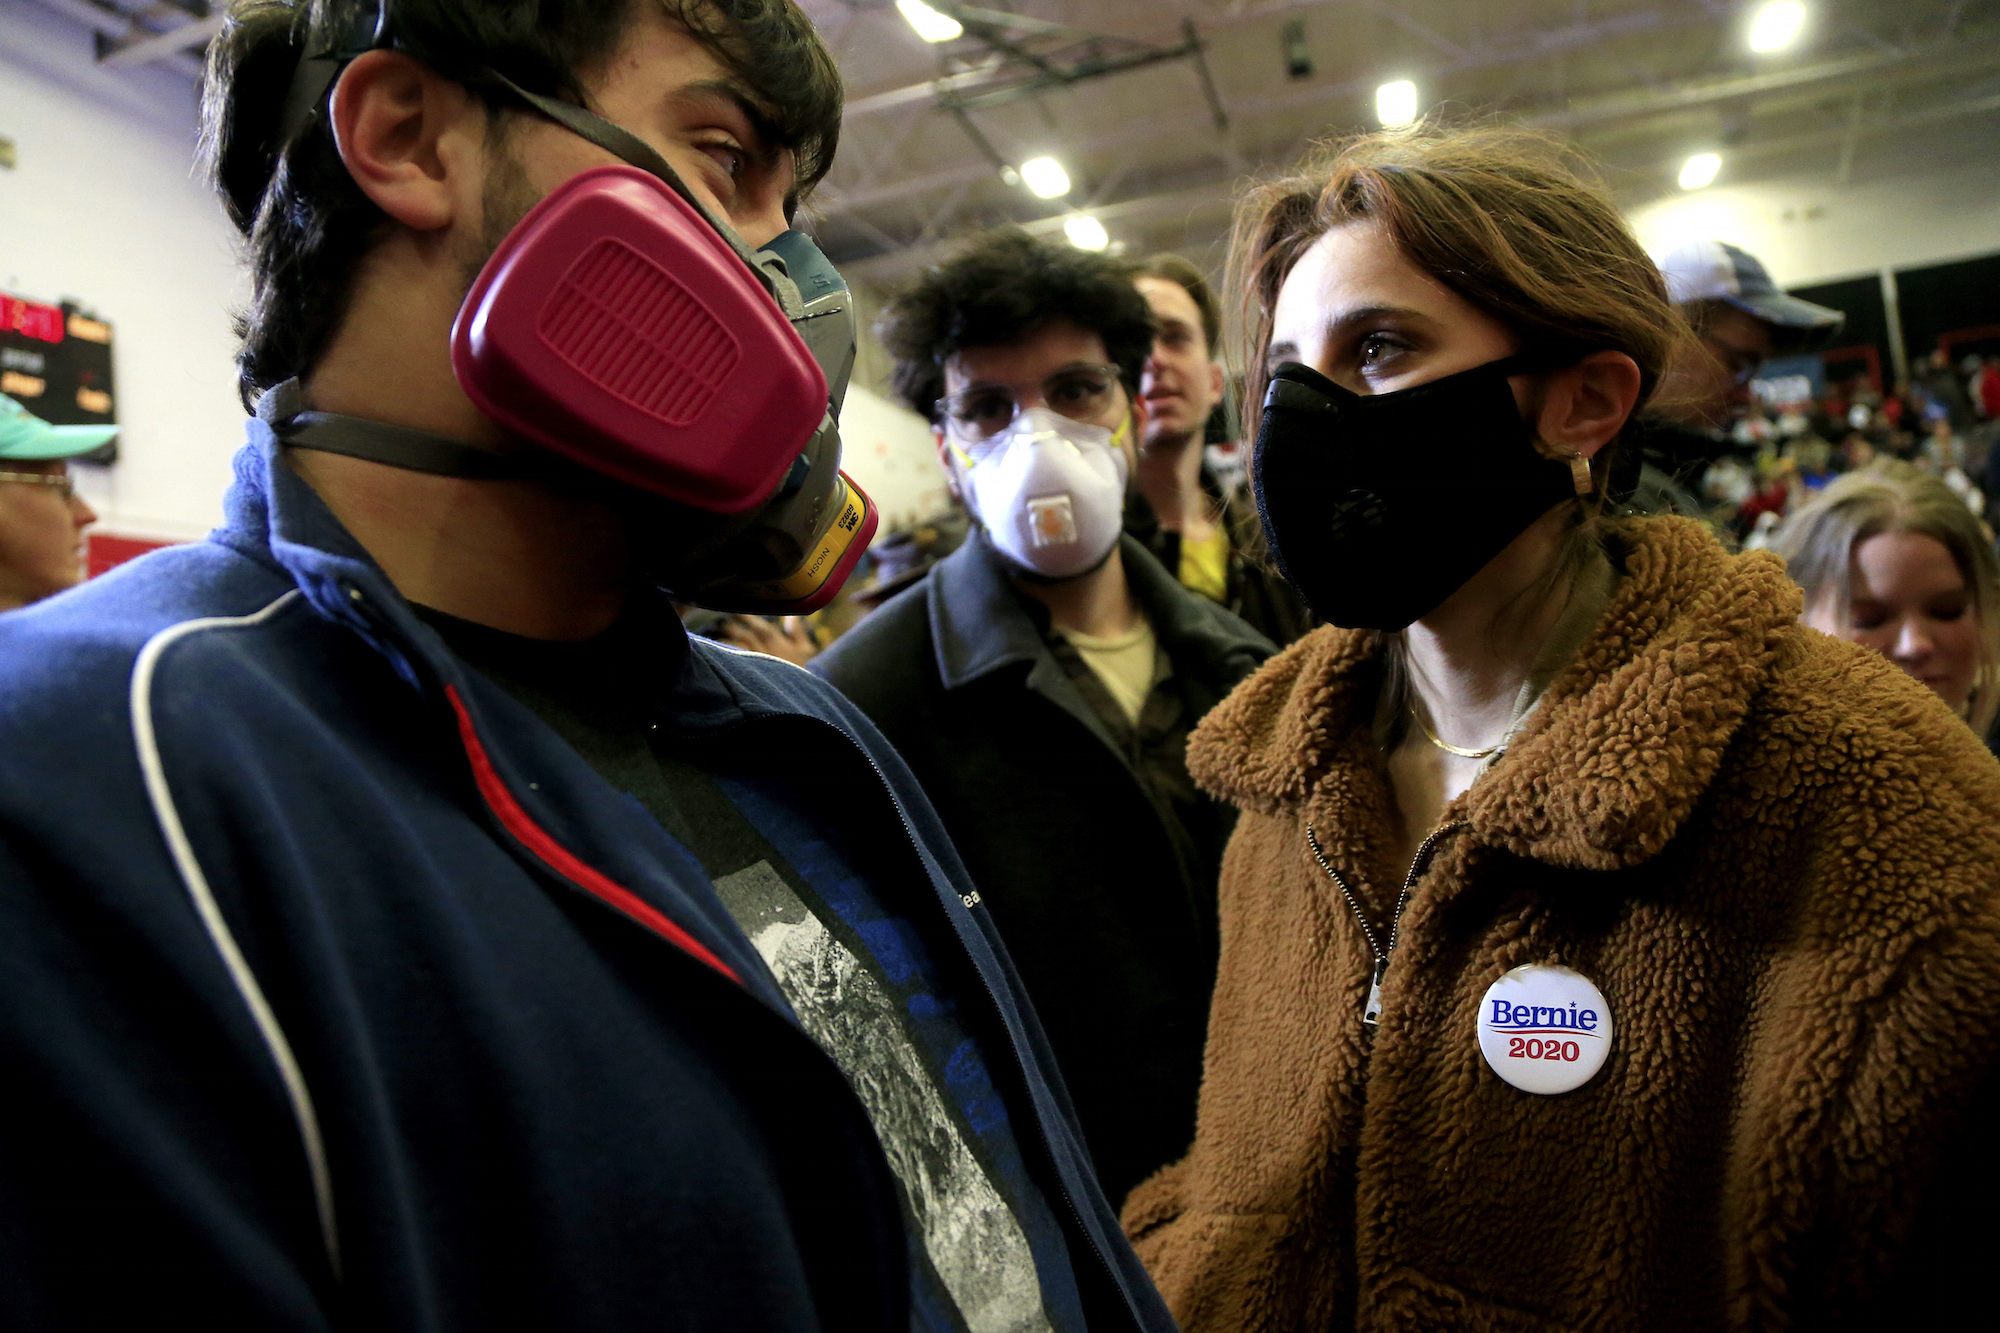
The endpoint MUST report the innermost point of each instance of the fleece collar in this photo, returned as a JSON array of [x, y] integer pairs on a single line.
[[1625, 741]]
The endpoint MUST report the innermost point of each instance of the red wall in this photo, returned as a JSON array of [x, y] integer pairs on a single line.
[[108, 550]]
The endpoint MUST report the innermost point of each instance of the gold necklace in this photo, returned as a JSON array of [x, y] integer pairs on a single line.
[[1431, 736]]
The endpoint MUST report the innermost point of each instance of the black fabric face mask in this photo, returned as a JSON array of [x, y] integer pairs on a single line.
[[1380, 507]]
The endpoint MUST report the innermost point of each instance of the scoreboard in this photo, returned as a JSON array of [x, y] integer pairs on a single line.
[[56, 362]]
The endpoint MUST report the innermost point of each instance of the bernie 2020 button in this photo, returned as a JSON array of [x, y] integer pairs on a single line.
[[1544, 1029]]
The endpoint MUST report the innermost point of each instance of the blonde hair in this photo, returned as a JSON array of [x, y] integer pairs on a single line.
[[1818, 544]]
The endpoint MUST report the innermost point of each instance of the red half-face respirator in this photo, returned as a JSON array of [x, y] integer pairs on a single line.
[[624, 327], [614, 327]]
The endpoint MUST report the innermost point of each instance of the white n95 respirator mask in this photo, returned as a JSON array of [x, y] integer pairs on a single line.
[[1049, 491]]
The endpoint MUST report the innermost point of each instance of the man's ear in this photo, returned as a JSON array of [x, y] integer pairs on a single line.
[[412, 139], [945, 462], [1216, 381], [1587, 404]]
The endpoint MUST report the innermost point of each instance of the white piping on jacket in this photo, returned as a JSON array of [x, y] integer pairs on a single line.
[[205, 906], [728, 647]]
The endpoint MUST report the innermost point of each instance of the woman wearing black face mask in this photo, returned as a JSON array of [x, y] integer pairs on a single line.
[[1600, 948]]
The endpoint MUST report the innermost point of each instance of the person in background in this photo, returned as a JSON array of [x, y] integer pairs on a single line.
[[1176, 509], [42, 518], [894, 562], [1945, 389], [1740, 319], [1042, 679], [904, 558], [1601, 948], [1892, 558], [406, 924], [788, 638], [1985, 387]]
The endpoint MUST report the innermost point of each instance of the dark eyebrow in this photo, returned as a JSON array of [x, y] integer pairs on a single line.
[[1059, 370], [762, 125], [1346, 322]]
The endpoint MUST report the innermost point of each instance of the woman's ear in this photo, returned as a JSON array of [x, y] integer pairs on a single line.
[[411, 139], [1587, 404]]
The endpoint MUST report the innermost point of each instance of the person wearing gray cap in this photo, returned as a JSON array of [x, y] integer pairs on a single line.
[[1741, 319], [42, 518]]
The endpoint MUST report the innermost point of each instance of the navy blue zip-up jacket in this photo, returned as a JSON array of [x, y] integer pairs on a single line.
[[337, 991]]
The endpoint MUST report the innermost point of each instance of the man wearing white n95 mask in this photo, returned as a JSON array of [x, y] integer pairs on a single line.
[[1041, 681]]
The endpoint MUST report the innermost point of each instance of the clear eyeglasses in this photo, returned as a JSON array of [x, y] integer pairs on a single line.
[[64, 483], [977, 414]]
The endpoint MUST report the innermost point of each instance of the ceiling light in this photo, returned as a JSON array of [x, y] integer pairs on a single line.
[[930, 25], [1396, 103], [1777, 26], [1700, 170], [1085, 232], [1045, 177]]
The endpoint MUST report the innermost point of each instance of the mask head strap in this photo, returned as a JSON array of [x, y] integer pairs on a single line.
[[284, 409], [317, 70], [634, 151], [313, 80]]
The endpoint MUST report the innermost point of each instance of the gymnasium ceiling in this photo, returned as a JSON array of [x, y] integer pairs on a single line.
[[1201, 94], [1871, 86]]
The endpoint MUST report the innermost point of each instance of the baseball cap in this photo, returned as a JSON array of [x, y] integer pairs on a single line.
[[1718, 271], [25, 436]]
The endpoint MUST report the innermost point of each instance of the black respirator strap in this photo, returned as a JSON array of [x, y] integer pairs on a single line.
[[313, 80], [634, 151], [399, 446], [318, 69], [283, 408]]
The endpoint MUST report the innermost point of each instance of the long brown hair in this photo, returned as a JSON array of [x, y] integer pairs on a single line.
[[1818, 545], [1510, 220]]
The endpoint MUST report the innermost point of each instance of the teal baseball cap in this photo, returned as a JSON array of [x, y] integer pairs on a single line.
[[25, 436]]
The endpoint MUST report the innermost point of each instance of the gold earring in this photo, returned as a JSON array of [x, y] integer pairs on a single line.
[[1579, 474]]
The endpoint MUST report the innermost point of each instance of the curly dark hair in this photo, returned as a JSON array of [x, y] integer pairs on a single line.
[[308, 224], [999, 289]]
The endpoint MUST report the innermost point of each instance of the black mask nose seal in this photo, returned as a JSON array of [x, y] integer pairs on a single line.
[[1379, 507]]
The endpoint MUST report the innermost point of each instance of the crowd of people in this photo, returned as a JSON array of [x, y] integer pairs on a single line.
[[1780, 450], [1444, 881]]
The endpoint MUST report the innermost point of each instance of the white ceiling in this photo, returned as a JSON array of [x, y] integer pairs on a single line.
[[1641, 83], [1874, 87]]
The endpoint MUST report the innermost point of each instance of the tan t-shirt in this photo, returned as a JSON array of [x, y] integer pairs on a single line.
[[1124, 662]]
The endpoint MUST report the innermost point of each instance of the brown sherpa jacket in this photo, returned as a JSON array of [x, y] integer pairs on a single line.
[[1776, 856]]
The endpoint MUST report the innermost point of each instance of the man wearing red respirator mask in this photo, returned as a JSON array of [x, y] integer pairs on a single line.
[[406, 925]]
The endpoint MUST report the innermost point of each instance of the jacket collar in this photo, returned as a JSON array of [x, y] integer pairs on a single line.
[[274, 517], [979, 625], [1626, 740]]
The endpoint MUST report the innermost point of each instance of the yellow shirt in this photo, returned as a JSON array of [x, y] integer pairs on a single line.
[[1205, 565], [1124, 662]]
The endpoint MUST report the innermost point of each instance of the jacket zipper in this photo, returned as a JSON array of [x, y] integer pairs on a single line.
[[992, 996], [1371, 1013], [519, 825]]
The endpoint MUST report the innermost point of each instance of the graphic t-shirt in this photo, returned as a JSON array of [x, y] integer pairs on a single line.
[[986, 1253]]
